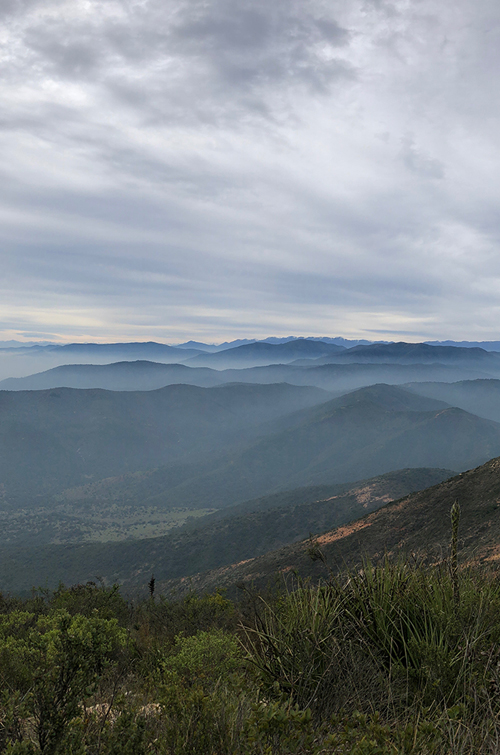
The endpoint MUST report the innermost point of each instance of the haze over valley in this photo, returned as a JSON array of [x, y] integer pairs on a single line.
[[203, 450]]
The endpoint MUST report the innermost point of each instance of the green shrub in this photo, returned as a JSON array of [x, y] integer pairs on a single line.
[[51, 663], [203, 658], [91, 599], [275, 728], [396, 659], [198, 722]]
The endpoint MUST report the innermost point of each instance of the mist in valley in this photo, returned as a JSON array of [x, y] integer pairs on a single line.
[[138, 447]]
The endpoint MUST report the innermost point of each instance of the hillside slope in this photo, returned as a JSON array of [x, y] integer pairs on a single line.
[[418, 524], [249, 530], [362, 434]]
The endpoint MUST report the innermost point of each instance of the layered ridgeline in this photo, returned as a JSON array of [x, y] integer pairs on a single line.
[[299, 361], [24, 360], [105, 351], [196, 448], [255, 354], [417, 525], [313, 351], [481, 397], [143, 375], [415, 353], [359, 435], [50, 440], [233, 534]]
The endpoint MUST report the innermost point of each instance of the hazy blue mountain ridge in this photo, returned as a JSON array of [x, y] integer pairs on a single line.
[[261, 353], [146, 375], [140, 375], [417, 353], [54, 439], [365, 433], [481, 397]]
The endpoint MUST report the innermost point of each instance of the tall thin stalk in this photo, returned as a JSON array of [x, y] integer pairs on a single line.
[[455, 520]]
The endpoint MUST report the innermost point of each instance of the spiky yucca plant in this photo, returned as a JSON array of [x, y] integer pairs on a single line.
[[391, 634]]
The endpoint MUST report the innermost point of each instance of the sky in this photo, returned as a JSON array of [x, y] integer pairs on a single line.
[[224, 169]]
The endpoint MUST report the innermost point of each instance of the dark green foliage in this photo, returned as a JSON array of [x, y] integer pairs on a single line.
[[92, 599], [382, 661], [49, 663], [390, 635]]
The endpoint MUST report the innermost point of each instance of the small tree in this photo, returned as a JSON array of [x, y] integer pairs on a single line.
[[53, 662]]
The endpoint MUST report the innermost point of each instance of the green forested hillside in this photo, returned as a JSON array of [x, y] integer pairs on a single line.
[[237, 533]]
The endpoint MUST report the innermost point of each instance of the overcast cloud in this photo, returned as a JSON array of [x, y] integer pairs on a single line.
[[231, 168]]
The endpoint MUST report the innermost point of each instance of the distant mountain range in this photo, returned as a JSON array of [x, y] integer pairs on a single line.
[[24, 367], [141, 350], [486, 345], [306, 352], [481, 397], [210, 347], [257, 354], [416, 353], [146, 375], [272, 340], [231, 452], [221, 445], [140, 375]]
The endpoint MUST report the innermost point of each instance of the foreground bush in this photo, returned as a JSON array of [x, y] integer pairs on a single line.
[[49, 665], [397, 659]]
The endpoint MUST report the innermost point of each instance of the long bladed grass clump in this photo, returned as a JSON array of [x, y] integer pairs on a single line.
[[401, 619]]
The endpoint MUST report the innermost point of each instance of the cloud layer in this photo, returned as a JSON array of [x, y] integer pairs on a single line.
[[237, 167]]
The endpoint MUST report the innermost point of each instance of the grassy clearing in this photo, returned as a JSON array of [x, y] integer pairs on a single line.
[[110, 522]]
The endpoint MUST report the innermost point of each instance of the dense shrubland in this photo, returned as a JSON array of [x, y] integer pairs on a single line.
[[393, 659]]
